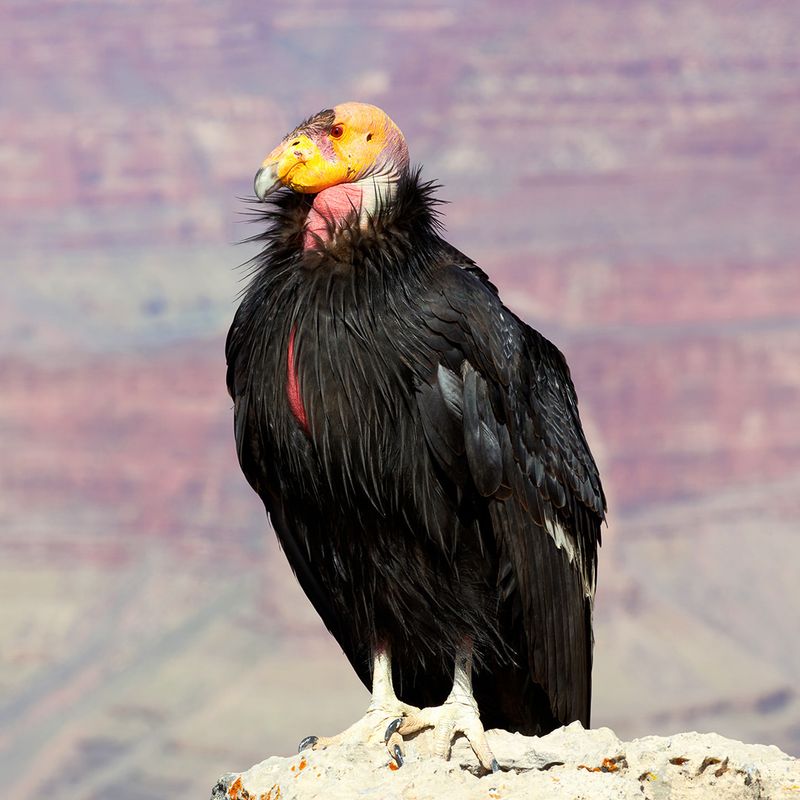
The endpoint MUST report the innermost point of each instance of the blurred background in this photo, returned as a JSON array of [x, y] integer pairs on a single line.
[[629, 175]]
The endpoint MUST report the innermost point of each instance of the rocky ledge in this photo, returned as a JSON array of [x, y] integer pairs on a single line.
[[569, 763]]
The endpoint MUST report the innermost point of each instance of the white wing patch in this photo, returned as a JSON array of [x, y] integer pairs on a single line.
[[566, 541]]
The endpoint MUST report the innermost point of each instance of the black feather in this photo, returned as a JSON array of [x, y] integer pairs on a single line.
[[443, 450]]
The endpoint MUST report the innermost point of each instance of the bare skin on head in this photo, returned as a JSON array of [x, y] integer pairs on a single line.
[[351, 157]]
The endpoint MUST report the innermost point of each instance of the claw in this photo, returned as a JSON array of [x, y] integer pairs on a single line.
[[398, 755], [309, 741], [447, 721], [393, 726]]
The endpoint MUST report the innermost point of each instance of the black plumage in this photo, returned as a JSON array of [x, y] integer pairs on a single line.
[[441, 488]]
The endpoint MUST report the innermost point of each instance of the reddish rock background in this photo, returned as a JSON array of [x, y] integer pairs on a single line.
[[627, 172]]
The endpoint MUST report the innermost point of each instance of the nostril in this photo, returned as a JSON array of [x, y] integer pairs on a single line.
[[296, 144]]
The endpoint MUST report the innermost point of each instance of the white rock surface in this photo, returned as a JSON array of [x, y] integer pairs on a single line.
[[569, 763]]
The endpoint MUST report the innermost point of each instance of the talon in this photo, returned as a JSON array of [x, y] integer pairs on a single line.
[[495, 765], [398, 754], [309, 741], [393, 726]]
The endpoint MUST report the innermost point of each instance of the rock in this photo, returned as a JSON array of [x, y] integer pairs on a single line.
[[568, 763]]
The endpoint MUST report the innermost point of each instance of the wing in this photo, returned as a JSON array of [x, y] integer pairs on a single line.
[[500, 417]]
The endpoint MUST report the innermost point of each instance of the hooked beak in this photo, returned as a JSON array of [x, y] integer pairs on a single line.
[[285, 159], [298, 163], [266, 181]]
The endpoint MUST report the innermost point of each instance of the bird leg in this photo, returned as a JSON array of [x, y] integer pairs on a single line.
[[458, 715], [383, 708]]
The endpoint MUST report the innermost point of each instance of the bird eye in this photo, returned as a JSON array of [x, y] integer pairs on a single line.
[[337, 131]]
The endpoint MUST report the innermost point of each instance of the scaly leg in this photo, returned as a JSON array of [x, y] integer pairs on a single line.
[[458, 715], [384, 707]]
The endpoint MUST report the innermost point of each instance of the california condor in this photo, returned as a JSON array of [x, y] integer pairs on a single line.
[[417, 446]]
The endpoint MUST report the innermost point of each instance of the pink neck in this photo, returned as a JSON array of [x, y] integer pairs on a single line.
[[330, 208]]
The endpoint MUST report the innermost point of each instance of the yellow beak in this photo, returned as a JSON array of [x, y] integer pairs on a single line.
[[298, 164]]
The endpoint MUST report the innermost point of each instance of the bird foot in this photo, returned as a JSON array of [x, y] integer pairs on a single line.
[[370, 729], [453, 718]]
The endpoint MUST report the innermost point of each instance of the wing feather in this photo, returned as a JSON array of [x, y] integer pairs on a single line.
[[511, 409]]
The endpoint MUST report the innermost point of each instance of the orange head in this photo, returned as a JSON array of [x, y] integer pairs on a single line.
[[343, 144]]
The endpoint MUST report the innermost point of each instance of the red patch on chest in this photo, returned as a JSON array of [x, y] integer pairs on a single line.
[[293, 387]]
